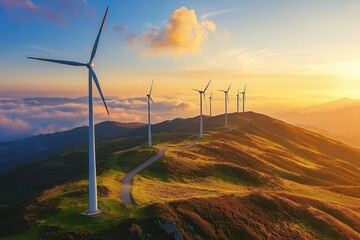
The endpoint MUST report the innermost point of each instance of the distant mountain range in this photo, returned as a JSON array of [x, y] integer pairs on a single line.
[[339, 119], [44, 145]]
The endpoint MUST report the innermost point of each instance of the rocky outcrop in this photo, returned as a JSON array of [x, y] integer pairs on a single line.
[[169, 228]]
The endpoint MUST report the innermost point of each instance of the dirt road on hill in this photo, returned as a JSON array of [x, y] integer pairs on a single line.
[[126, 184]]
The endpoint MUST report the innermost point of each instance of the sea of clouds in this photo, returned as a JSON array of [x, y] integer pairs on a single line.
[[24, 117]]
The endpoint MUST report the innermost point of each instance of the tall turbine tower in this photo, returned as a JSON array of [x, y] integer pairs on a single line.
[[149, 121], [226, 92], [244, 98], [210, 99], [93, 204], [202, 93], [237, 101]]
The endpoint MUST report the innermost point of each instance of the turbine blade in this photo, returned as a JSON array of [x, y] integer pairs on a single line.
[[228, 99], [211, 95], [238, 91], [205, 100], [245, 88], [93, 52], [221, 90], [71, 63], [152, 100], [229, 87], [207, 85], [151, 87], [196, 90], [93, 75]]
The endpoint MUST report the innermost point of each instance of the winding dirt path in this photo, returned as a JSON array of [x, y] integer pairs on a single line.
[[126, 184]]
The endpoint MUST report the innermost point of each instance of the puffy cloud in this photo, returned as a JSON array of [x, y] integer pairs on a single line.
[[161, 105], [13, 124], [20, 118], [183, 33], [13, 128]]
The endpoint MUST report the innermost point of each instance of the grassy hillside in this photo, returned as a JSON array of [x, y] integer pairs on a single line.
[[259, 179], [261, 216], [44, 145]]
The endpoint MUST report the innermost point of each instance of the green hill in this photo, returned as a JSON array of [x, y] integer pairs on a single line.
[[260, 179], [44, 145]]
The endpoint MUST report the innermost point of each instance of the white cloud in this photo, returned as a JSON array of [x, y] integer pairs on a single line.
[[241, 59], [183, 33], [20, 118], [207, 15]]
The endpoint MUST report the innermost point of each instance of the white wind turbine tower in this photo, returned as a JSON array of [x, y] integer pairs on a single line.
[[237, 101], [202, 93], [244, 98], [210, 99], [226, 92], [149, 121], [93, 204]]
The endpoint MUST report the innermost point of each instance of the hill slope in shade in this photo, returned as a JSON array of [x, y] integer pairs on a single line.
[[45, 145], [260, 179]]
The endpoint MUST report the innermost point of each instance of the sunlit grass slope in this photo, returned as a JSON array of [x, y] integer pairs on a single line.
[[313, 180], [259, 179]]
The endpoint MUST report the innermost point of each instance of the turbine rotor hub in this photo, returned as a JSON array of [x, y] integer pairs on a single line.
[[90, 65]]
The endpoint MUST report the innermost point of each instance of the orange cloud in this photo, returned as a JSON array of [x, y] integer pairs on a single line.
[[183, 33]]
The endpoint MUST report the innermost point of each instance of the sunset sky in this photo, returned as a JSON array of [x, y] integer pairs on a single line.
[[288, 52]]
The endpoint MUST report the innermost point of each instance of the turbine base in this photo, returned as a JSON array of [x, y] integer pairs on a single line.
[[95, 213]]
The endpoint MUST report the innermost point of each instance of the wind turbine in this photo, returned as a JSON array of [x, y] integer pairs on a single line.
[[237, 101], [93, 204], [202, 93], [149, 124], [243, 97], [226, 92], [210, 99]]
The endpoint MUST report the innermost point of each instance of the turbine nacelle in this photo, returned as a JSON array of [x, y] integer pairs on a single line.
[[202, 93], [197, 90], [90, 65], [149, 94], [226, 92]]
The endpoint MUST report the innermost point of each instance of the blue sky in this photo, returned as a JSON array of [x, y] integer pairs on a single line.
[[254, 40], [282, 37], [290, 53]]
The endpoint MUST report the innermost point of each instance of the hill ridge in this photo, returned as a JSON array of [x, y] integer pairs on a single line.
[[274, 168]]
